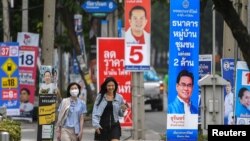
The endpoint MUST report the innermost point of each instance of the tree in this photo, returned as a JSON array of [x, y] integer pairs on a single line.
[[239, 30]]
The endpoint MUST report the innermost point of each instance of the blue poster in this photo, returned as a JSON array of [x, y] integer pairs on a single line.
[[9, 74], [242, 91], [182, 113], [227, 72], [205, 65]]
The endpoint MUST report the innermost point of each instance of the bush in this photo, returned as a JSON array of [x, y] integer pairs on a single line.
[[12, 127]]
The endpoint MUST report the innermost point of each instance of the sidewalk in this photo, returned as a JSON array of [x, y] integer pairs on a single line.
[[88, 134], [29, 133]]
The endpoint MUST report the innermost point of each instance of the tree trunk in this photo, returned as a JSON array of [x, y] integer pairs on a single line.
[[239, 30]]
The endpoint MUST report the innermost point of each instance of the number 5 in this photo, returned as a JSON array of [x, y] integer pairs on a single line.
[[136, 54]]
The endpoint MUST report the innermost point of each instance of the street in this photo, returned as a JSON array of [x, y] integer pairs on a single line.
[[155, 124]]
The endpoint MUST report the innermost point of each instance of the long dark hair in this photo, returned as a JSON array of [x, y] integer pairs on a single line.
[[104, 88], [70, 85]]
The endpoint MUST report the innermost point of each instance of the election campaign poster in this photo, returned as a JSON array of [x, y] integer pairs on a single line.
[[110, 62], [228, 73], [182, 113], [137, 34], [242, 94], [9, 74]]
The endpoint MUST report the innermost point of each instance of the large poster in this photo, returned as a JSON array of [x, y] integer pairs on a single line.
[[242, 91], [27, 73], [182, 113], [47, 103], [228, 73], [110, 62], [9, 74], [137, 34]]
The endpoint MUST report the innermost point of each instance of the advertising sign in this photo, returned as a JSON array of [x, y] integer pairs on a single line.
[[137, 34], [110, 62], [46, 117], [182, 113], [28, 39], [9, 74], [242, 91], [227, 72]]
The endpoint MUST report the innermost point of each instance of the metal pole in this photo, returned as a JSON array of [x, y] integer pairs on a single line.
[[4, 136], [214, 79]]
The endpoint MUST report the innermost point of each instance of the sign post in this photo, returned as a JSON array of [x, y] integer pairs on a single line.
[[99, 6]]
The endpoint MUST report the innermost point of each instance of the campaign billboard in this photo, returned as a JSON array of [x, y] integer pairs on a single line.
[[182, 112], [110, 62], [9, 74], [228, 73], [242, 93], [137, 35]]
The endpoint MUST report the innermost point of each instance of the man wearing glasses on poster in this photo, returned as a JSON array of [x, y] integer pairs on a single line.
[[184, 87]]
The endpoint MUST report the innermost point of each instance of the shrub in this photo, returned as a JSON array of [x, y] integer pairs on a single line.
[[12, 127]]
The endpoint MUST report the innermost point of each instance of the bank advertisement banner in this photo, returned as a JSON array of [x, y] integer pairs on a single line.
[[9, 74], [110, 62], [242, 90], [182, 113], [227, 72], [137, 34]]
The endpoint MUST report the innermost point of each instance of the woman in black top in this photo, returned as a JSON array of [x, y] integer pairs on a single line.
[[108, 106]]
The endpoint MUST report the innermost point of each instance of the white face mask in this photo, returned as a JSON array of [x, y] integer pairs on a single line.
[[74, 92]]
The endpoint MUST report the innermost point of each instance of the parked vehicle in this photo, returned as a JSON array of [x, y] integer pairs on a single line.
[[153, 89]]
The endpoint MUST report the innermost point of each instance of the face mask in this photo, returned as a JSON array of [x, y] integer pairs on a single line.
[[74, 92]]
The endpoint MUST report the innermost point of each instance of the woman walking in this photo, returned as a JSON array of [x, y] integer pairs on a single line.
[[108, 106], [71, 115]]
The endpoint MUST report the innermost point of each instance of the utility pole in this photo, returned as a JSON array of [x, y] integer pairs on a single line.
[[48, 32], [25, 14], [6, 26]]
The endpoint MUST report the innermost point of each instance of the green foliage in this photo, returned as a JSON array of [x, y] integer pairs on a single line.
[[12, 127]]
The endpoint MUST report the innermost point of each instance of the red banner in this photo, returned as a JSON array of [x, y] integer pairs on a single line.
[[110, 62]]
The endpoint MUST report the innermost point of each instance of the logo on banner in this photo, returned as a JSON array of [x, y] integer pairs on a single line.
[[9, 66], [226, 65]]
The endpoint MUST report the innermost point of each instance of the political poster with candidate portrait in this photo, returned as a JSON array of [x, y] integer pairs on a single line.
[[242, 93], [182, 112], [9, 74], [228, 73], [110, 62], [137, 34]]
